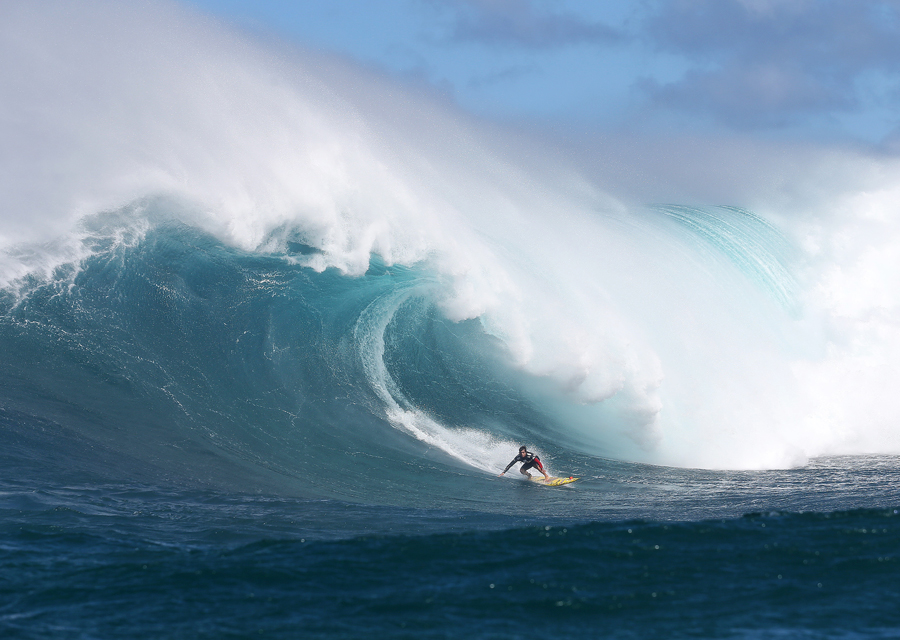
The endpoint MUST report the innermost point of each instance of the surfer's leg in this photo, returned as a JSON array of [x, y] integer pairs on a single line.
[[524, 469]]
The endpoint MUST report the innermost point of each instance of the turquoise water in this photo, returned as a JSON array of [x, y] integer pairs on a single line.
[[196, 442]]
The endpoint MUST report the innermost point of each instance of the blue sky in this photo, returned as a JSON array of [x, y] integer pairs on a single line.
[[809, 69]]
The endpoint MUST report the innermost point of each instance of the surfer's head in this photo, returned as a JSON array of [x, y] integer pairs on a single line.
[[522, 449]]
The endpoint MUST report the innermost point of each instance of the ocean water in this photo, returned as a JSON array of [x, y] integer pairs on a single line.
[[270, 328], [193, 446]]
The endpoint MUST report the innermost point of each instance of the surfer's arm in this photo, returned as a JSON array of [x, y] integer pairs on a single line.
[[508, 466]]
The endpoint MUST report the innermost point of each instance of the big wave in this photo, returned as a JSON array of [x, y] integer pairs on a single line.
[[209, 247]]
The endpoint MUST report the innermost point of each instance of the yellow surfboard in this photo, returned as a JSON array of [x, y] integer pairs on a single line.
[[552, 482]]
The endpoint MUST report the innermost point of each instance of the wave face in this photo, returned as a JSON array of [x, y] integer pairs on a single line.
[[172, 347], [236, 267], [202, 361]]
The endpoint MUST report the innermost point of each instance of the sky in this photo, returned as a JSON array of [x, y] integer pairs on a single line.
[[818, 70]]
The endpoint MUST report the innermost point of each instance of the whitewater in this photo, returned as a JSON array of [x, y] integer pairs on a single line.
[[256, 301]]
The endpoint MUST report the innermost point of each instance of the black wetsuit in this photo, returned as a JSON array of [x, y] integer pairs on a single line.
[[529, 459]]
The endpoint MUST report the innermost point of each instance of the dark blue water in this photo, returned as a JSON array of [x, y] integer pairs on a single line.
[[195, 442], [147, 561]]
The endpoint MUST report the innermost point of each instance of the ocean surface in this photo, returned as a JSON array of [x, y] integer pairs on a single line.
[[194, 444]]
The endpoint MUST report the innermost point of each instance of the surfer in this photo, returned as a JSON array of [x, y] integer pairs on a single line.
[[529, 460]]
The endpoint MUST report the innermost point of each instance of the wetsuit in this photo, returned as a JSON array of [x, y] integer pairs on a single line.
[[529, 459]]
